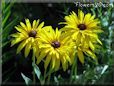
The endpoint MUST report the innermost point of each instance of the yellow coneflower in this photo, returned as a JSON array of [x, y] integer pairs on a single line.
[[55, 49], [27, 36], [83, 30]]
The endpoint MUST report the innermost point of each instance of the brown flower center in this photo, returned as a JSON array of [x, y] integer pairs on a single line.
[[32, 33], [82, 26], [55, 44]]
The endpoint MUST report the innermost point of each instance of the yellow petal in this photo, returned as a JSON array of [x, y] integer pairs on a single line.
[[91, 45], [53, 61], [80, 56], [81, 16], [92, 17], [40, 57], [75, 35], [57, 55], [35, 50], [65, 37], [47, 61], [87, 18], [52, 34], [91, 54], [78, 39], [63, 64], [15, 34], [23, 26], [99, 41], [44, 46], [98, 30], [21, 30], [68, 28], [27, 49], [28, 24], [74, 16], [46, 35], [58, 33], [57, 64], [68, 58], [32, 39], [67, 18], [21, 46], [35, 24], [41, 25], [15, 41], [93, 23], [47, 28], [44, 38]]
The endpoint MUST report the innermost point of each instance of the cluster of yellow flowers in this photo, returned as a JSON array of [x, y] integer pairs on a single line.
[[58, 47]]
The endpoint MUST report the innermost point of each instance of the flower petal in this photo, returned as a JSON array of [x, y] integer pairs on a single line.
[[53, 61], [57, 64], [41, 25], [81, 56], [28, 24], [23, 26], [21, 31], [41, 56], [27, 49], [91, 54], [21, 45], [80, 16], [35, 24], [47, 61]]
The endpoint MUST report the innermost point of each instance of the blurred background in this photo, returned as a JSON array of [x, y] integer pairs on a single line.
[[52, 14]]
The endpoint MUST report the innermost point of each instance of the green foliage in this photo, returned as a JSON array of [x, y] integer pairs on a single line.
[[36, 70], [8, 22], [28, 81]]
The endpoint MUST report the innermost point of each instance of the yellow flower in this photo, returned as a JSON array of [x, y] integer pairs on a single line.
[[55, 49], [84, 31], [27, 36]]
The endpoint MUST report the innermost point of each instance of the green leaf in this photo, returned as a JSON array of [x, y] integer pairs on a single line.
[[27, 80], [7, 7], [56, 80], [104, 69], [6, 30], [6, 18], [5, 43], [37, 70]]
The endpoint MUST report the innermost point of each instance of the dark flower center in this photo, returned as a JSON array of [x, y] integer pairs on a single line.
[[32, 33], [55, 44], [82, 26]]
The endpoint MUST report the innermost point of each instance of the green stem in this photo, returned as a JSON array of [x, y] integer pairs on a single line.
[[48, 81], [49, 74], [34, 78], [74, 69], [71, 73], [43, 81]]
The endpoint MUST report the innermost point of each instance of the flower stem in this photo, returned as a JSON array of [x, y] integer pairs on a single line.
[[73, 70], [34, 78], [43, 81], [49, 75], [48, 81]]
